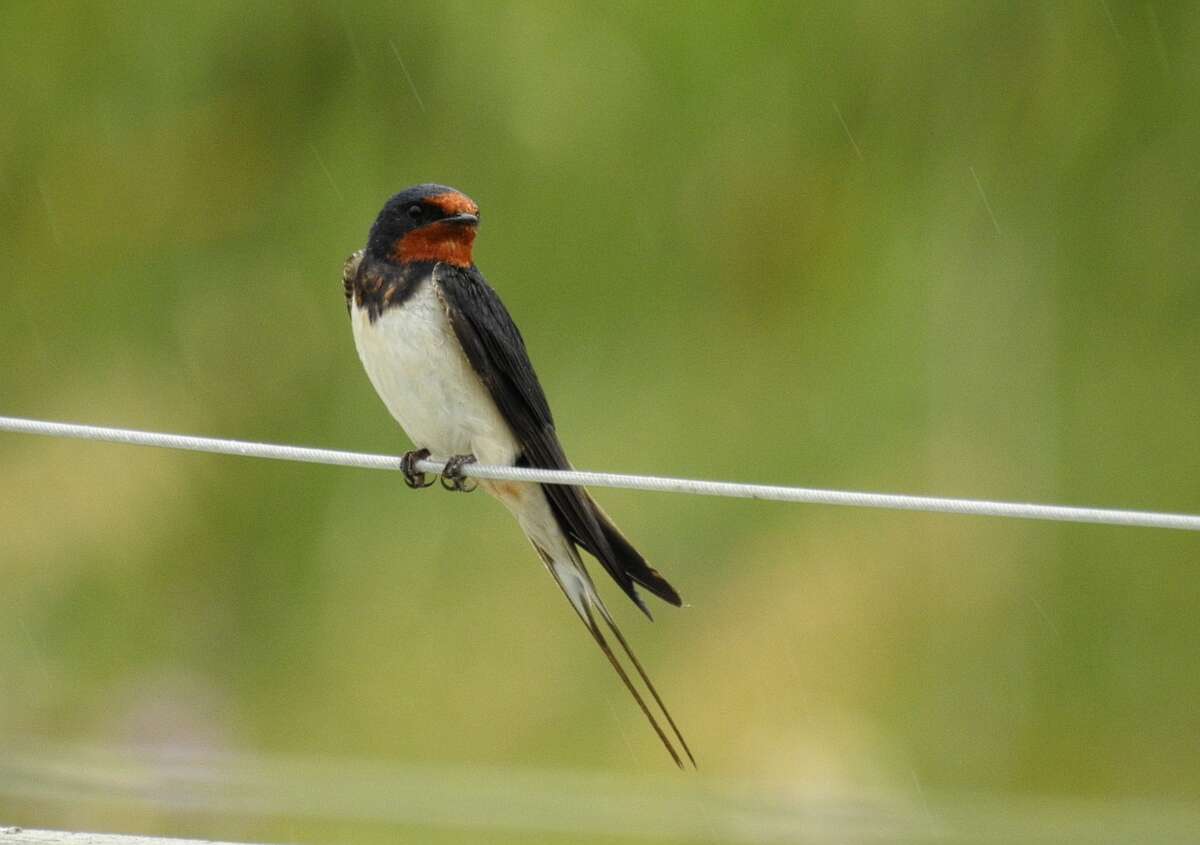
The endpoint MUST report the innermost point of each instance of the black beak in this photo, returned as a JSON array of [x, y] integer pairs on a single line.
[[462, 220]]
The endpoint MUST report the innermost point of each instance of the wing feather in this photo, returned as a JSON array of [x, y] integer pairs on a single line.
[[496, 350]]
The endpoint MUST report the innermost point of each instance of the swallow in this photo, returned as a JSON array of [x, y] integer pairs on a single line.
[[450, 365]]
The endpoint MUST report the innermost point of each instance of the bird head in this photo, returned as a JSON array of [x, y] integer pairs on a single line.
[[425, 223]]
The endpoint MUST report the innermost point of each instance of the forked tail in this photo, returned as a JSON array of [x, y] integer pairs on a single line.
[[577, 586]]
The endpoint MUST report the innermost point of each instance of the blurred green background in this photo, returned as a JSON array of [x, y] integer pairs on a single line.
[[942, 248]]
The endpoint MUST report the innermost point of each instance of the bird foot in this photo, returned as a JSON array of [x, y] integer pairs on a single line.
[[452, 477], [408, 468]]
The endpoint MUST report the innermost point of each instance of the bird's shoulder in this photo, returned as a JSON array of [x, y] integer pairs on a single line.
[[466, 289], [350, 273], [493, 343], [376, 285]]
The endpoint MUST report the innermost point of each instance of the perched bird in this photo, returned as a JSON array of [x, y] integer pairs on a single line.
[[446, 359]]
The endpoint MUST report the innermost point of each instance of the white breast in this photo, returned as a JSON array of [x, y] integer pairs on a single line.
[[419, 370]]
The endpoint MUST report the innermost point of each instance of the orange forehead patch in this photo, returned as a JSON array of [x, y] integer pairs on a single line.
[[453, 202]]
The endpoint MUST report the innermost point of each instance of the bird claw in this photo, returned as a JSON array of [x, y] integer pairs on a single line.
[[452, 477], [408, 468]]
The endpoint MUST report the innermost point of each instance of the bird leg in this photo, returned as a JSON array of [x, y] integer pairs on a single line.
[[452, 477], [408, 468]]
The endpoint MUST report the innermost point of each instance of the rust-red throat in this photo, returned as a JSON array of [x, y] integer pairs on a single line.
[[443, 241]]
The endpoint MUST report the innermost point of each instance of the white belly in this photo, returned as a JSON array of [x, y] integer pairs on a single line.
[[420, 372]]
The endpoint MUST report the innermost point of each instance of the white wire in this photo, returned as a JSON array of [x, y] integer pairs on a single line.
[[893, 501]]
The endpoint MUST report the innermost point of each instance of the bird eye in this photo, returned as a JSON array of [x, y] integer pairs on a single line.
[[415, 212]]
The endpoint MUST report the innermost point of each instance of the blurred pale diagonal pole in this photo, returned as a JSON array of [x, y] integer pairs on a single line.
[[893, 501], [19, 836]]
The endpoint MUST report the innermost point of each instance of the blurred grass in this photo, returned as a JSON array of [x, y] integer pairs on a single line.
[[715, 280]]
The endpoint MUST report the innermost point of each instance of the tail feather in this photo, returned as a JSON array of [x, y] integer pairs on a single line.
[[589, 527], [641, 702], [637, 664], [631, 561], [577, 586]]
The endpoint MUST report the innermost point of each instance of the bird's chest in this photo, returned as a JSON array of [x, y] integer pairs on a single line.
[[418, 368]]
